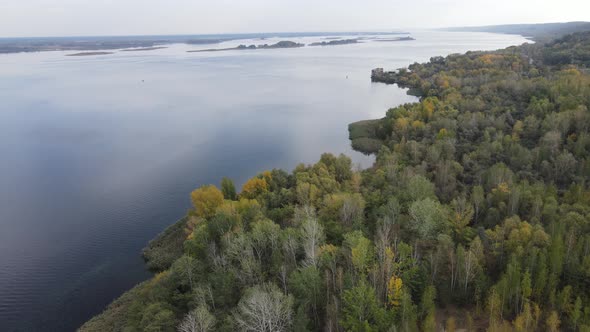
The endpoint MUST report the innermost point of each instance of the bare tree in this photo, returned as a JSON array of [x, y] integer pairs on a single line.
[[264, 308], [186, 266], [239, 251], [352, 209], [198, 320], [312, 236]]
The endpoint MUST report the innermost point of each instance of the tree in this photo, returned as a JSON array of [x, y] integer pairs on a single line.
[[494, 306], [157, 317], [186, 267], [197, 320], [351, 211], [264, 308], [553, 322], [460, 217], [360, 309], [361, 251], [477, 197], [265, 239], [307, 286], [525, 321], [526, 287], [576, 313], [206, 200], [394, 291], [312, 236], [420, 188], [407, 315], [228, 189], [427, 218], [307, 193], [254, 187], [428, 308], [338, 166]]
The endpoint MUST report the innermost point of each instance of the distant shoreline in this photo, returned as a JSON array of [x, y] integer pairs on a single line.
[[102, 43]]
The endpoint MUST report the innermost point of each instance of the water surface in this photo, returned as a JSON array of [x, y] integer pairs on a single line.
[[100, 153]]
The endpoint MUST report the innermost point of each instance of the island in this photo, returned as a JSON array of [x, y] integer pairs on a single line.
[[144, 49], [335, 42], [281, 44], [407, 38], [89, 53], [475, 216]]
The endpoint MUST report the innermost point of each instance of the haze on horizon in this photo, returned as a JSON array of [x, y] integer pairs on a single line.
[[27, 18]]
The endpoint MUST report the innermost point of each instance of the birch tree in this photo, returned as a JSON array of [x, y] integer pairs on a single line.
[[197, 320], [264, 308], [312, 236]]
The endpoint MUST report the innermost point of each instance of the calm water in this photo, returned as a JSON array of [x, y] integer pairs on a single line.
[[100, 153]]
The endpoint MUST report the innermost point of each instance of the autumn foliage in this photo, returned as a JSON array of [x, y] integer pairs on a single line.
[[206, 199]]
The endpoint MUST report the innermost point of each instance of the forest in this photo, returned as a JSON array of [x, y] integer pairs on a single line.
[[475, 216]]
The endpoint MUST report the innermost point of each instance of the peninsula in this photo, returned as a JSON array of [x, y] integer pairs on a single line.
[[474, 216]]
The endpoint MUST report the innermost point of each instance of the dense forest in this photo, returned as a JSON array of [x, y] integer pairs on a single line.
[[475, 216]]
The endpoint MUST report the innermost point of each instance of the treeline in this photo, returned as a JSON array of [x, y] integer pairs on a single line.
[[475, 216]]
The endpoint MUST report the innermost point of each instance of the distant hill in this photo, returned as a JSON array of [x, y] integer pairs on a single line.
[[538, 32]]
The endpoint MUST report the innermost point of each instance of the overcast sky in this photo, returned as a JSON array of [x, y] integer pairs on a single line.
[[132, 17]]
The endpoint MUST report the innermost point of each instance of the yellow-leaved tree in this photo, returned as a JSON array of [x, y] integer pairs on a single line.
[[394, 291], [254, 187], [206, 200]]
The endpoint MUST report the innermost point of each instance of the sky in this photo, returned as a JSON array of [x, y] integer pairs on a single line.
[[22, 18]]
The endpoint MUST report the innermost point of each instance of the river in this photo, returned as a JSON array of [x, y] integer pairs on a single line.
[[100, 153]]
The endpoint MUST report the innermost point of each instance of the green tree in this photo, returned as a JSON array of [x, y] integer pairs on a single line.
[[428, 309], [306, 284], [420, 188], [361, 310], [427, 218], [158, 317], [477, 198], [228, 189], [407, 313], [361, 251], [576, 313]]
